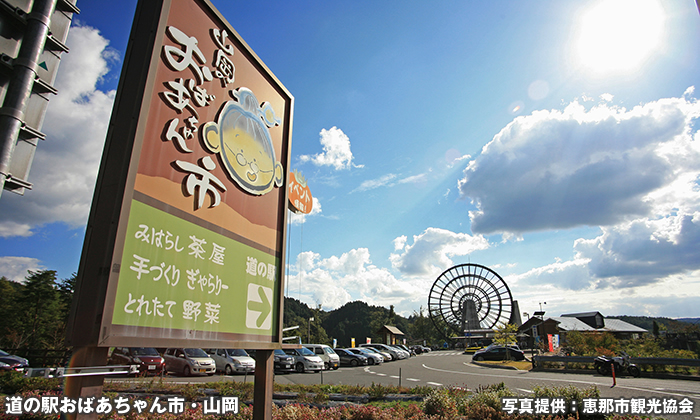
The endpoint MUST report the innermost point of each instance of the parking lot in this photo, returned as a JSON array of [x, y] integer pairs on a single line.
[[453, 368]]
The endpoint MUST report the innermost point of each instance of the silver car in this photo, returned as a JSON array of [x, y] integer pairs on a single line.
[[372, 357], [232, 361], [395, 355], [188, 361]]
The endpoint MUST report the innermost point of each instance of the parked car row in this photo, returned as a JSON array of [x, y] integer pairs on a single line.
[[183, 361], [307, 358]]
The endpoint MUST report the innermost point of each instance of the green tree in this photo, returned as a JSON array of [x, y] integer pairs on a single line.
[[422, 329], [44, 312], [592, 343], [505, 334], [10, 337]]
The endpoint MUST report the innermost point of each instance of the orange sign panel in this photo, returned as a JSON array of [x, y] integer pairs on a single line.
[[300, 199]]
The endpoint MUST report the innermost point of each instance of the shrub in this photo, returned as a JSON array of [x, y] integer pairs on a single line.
[[14, 383], [244, 391], [490, 396], [440, 403]]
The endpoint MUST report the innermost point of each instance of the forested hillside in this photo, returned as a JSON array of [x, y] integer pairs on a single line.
[[662, 323], [356, 320]]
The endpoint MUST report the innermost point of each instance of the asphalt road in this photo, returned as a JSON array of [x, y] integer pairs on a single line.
[[451, 368]]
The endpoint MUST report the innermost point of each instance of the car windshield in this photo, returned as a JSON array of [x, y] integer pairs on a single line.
[[144, 351], [196, 353], [329, 350], [236, 352], [305, 352], [4, 353], [280, 352]]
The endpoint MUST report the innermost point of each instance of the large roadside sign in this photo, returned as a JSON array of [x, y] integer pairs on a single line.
[[185, 242]]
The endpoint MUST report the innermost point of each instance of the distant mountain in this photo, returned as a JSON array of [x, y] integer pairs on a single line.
[[667, 324], [356, 320], [689, 320]]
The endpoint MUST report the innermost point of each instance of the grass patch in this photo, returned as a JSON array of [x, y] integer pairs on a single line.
[[521, 365]]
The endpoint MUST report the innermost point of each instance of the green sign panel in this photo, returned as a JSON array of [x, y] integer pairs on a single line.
[[175, 274]]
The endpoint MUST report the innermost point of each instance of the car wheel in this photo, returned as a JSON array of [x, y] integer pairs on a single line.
[[186, 371], [370, 361], [327, 366], [335, 367], [603, 370], [634, 371], [479, 358], [228, 371], [300, 367], [354, 363]]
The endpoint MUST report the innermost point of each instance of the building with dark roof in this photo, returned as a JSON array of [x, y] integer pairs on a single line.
[[583, 322], [390, 334]]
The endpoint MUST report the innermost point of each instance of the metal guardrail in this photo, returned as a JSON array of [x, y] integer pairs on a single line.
[[664, 361], [81, 371]]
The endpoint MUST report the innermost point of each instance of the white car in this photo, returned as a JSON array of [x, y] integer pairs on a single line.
[[232, 361], [326, 353], [305, 360]]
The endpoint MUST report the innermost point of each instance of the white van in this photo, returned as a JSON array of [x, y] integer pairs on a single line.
[[330, 359]]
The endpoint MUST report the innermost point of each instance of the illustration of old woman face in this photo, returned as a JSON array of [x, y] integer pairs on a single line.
[[241, 138]]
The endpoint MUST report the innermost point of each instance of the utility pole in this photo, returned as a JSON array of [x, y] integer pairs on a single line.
[[30, 68]]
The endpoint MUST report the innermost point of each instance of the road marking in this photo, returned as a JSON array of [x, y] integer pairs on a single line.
[[434, 383], [381, 374], [395, 377], [606, 384], [413, 379], [525, 390]]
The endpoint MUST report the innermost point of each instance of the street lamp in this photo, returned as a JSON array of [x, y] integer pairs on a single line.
[[309, 335]]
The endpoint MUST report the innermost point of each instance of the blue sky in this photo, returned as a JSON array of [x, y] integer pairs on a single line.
[[555, 142]]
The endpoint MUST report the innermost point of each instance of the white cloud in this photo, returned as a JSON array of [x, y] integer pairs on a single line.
[[400, 242], [643, 251], [300, 218], [336, 150], [629, 256], [571, 275], [16, 268], [597, 167], [375, 183], [390, 180], [335, 281], [676, 296], [9, 229], [66, 164], [432, 250], [415, 179]]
